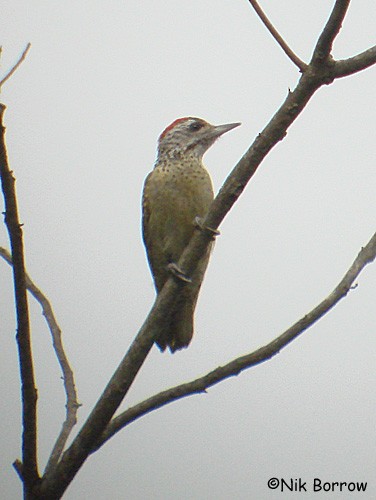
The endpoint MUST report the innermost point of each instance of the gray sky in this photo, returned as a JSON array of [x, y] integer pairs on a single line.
[[84, 112]]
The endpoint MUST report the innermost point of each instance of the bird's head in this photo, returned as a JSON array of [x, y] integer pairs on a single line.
[[192, 136]]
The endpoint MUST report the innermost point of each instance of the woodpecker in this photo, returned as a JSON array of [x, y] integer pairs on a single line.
[[178, 192]]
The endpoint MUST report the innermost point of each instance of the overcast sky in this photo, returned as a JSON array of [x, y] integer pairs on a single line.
[[84, 111]]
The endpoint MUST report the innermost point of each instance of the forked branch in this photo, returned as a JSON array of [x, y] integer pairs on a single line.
[[72, 404], [200, 385]]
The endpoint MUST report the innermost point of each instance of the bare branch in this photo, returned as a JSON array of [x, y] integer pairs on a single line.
[[356, 63], [278, 38], [28, 389], [200, 385], [325, 42], [16, 66], [72, 404]]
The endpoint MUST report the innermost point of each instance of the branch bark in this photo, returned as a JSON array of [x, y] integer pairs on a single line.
[[325, 42], [356, 63], [28, 388]]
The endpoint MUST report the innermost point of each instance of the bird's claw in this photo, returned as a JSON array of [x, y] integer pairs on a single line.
[[199, 223], [178, 273]]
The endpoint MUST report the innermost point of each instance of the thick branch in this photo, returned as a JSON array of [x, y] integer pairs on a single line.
[[200, 385], [278, 38], [354, 64], [325, 42], [29, 391], [72, 404]]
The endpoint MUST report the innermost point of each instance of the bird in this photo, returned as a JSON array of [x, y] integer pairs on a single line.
[[176, 196]]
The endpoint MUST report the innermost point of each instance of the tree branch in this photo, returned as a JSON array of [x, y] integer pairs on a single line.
[[200, 385], [28, 390], [356, 63], [16, 66], [325, 42], [278, 38], [72, 404]]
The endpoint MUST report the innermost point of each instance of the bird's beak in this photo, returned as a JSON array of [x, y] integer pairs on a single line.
[[222, 129]]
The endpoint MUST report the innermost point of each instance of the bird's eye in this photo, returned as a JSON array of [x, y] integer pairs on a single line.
[[195, 126]]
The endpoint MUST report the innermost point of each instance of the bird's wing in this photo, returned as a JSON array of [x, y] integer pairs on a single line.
[[145, 212]]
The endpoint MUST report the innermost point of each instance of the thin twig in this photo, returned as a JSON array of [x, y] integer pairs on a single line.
[[72, 404], [16, 66], [28, 388], [278, 38], [200, 385]]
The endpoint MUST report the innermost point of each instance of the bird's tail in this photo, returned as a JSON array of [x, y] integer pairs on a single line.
[[180, 323]]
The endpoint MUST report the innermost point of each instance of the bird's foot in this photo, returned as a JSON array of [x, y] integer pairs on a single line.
[[199, 223], [178, 273]]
